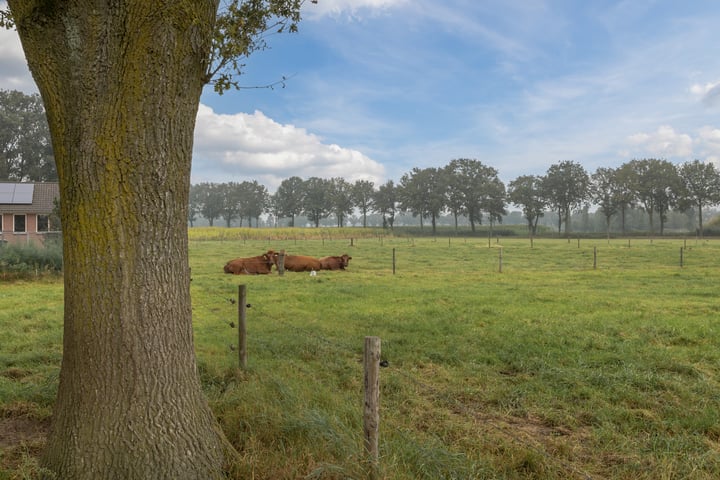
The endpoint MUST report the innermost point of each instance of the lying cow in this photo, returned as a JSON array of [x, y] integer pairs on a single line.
[[260, 265], [335, 262], [296, 263]]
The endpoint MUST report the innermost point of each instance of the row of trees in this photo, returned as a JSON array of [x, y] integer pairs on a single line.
[[469, 189], [464, 188]]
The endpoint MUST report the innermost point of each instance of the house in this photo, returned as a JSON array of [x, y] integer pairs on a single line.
[[26, 212]]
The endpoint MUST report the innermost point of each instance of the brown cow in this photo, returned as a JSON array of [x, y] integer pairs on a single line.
[[260, 265], [297, 263], [335, 262]]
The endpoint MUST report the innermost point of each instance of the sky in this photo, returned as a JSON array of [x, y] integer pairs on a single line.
[[375, 88]]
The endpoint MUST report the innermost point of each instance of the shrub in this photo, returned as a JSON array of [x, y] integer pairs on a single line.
[[23, 261]]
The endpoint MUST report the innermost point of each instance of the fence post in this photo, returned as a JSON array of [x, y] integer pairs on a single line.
[[393, 260], [594, 258], [281, 263], [500, 260], [681, 257], [371, 413], [242, 326]]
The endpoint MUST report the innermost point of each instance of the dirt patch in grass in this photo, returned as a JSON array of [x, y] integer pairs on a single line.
[[17, 430], [22, 440]]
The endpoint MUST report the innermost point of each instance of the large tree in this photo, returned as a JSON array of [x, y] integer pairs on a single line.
[[526, 192], [701, 182], [604, 191], [565, 187], [340, 195], [422, 193], [316, 202], [25, 147], [289, 197], [362, 194], [624, 194], [656, 184], [385, 203], [121, 84], [478, 187]]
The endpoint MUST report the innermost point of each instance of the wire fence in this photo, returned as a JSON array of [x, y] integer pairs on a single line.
[[350, 348]]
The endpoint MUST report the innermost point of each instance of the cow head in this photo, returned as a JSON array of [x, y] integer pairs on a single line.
[[271, 256], [345, 260]]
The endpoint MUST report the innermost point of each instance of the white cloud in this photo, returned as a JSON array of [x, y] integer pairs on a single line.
[[14, 72], [664, 143], [709, 144], [244, 147], [709, 93], [350, 8]]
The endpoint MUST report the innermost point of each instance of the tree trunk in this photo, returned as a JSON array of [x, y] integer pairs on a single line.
[[700, 220], [121, 83]]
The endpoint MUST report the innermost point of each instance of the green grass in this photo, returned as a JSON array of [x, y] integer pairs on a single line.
[[550, 369]]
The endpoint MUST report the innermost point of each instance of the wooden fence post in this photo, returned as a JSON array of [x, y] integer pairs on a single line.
[[393, 261], [281, 263], [594, 258], [681, 257], [500, 260], [371, 413], [242, 326]]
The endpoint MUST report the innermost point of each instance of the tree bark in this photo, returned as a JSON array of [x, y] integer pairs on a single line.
[[121, 83]]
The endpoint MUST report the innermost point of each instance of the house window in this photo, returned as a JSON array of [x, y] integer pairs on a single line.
[[43, 223], [19, 224]]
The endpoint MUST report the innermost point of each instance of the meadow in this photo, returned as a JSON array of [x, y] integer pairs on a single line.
[[583, 359]]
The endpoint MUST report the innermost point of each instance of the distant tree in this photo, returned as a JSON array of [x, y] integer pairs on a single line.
[[231, 196], [422, 193], [340, 194], [194, 203], [454, 197], [385, 203], [565, 187], [254, 199], [701, 182], [494, 202], [316, 201], [362, 195], [604, 190], [26, 153], [212, 198], [479, 187], [526, 192], [625, 197], [656, 184], [289, 198]]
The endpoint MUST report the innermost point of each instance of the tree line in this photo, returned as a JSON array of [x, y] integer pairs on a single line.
[[466, 188]]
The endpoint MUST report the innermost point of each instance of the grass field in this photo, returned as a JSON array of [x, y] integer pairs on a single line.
[[569, 359]]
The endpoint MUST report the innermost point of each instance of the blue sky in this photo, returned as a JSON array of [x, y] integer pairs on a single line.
[[377, 87]]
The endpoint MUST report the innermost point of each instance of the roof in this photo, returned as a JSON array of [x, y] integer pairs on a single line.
[[43, 196]]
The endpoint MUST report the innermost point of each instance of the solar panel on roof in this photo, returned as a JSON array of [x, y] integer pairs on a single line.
[[16, 193], [6, 192], [23, 193]]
